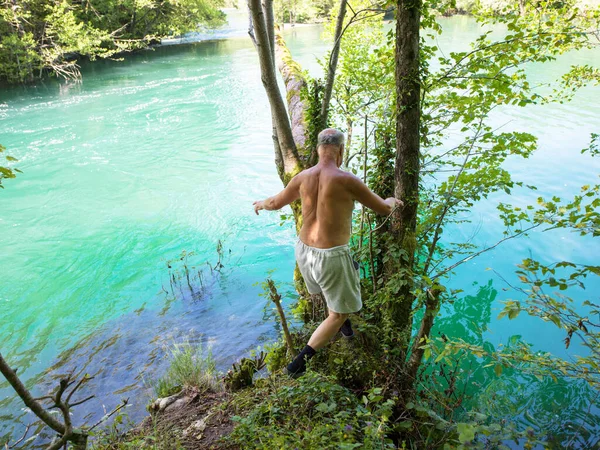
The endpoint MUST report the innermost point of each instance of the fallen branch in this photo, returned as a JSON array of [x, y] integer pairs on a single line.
[[124, 403], [276, 298]]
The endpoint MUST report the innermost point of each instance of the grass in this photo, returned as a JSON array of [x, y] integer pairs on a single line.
[[152, 439], [189, 367]]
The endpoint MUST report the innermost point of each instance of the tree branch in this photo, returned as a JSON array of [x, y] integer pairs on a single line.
[[276, 298], [470, 257], [29, 401], [448, 202], [110, 414], [21, 439]]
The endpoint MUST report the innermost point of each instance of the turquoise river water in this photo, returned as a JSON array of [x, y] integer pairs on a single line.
[[164, 152]]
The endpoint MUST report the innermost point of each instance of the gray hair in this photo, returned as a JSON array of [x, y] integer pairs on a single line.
[[331, 136]]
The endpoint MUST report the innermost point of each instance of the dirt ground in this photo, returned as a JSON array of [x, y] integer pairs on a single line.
[[195, 420]]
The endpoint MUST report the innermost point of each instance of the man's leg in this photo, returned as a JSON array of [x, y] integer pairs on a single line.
[[328, 328], [346, 328], [321, 336]]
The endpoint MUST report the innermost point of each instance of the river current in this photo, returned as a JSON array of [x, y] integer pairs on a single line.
[[163, 153]]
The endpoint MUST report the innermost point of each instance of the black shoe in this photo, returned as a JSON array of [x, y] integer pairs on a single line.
[[297, 367], [346, 329], [295, 375]]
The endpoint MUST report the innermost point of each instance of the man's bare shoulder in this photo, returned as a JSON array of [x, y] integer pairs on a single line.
[[299, 176], [349, 178]]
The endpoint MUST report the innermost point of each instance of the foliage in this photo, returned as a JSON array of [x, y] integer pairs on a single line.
[[313, 413], [460, 92], [302, 11], [7, 172], [241, 375], [189, 366], [38, 36]]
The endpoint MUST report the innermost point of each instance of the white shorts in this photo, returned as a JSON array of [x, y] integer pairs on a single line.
[[331, 271]]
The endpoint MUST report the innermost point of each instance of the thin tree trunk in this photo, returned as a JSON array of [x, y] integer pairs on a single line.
[[432, 304], [362, 211], [407, 159], [267, 6], [331, 69], [333, 60], [289, 156], [348, 145]]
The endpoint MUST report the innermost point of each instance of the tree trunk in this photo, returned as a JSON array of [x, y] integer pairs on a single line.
[[294, 84], [333, 60], [289, 163], [407, 165]]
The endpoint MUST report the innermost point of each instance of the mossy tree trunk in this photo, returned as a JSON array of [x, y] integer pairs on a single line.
[[286, 156], [407, 167]]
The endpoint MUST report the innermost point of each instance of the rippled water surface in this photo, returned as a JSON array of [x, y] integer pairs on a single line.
[[164, 153]]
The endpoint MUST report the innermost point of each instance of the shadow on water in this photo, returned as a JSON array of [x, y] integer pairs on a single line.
[[127, 354], [565, 411]]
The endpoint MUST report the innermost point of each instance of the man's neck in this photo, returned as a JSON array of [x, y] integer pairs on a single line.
[[328, 162]]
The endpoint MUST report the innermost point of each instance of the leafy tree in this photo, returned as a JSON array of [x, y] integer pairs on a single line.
[[37, 36]]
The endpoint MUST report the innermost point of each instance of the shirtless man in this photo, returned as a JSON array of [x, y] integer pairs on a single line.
[[328, 195]]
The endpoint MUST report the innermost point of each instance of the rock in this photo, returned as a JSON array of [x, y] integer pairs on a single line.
[[160, 404], [178, 403], [197, 428]]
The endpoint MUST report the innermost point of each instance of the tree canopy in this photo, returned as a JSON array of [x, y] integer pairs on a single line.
[[39, 36]]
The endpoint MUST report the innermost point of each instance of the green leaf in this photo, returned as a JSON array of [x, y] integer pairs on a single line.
[[466, 432], [513, 313], [498, 369]]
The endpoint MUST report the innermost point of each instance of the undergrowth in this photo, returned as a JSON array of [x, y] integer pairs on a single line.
[[313, 412], [152, 439]]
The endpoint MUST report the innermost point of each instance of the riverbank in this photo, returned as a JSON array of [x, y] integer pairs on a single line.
[[256, 406], [465, 7]]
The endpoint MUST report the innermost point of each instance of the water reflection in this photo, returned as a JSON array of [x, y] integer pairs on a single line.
[[565, 412], [126, 354]]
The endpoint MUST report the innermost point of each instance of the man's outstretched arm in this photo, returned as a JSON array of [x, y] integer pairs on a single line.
[[371, 200], [285, 197]]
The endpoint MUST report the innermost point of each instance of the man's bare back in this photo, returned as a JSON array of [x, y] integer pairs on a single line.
[[327, 205], [328, 195]]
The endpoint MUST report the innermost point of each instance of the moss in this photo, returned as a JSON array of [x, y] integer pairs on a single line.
[[409, 243], [287, 177], [293, 68]]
